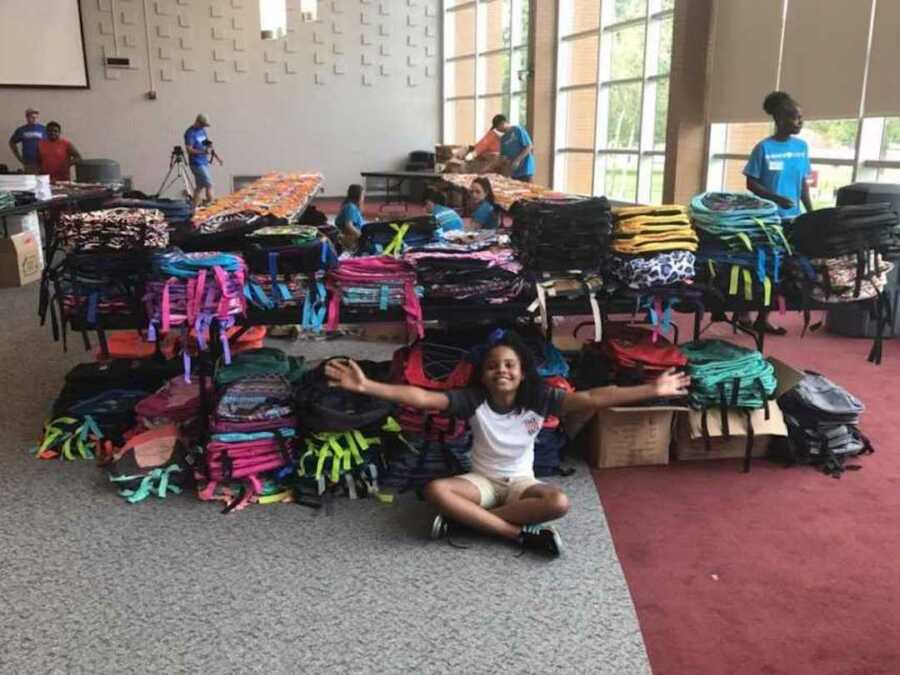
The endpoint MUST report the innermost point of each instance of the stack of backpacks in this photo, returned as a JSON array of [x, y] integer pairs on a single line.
[[742, 246], [374, 283], [437, 363], [840, 258], [96, 406], [347, 440], [653, 262], [653, 246], [727, 377], [104, 270], [478, 269], [822, 420], [253, 428], [552, 236], [190, 291], [286, 270], [396, 238]]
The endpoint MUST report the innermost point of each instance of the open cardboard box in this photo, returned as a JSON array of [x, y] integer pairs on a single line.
[[630, 436], [690, 444], [20, 260]]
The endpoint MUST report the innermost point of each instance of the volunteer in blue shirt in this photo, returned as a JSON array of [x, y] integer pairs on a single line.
[[777, 170], [29, 135], [516, 146], [199, 150], [350, 220], [778, 166], [447, 219], [484, 211]]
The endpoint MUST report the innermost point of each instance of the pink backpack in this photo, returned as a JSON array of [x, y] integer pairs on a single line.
[[373, 272]]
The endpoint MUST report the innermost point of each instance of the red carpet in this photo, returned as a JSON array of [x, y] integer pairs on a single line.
[[776, 571]]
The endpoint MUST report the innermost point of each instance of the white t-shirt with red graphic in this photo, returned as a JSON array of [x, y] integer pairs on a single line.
[[503, 441]]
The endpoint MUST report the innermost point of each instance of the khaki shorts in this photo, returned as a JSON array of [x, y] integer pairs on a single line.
[[499, 491]]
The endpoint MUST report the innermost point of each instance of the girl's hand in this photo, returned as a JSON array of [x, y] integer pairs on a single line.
[[346, 374], [671, 383]]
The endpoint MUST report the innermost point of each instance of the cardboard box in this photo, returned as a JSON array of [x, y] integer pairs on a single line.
[[690, 444], [633, 436], [20, 260]]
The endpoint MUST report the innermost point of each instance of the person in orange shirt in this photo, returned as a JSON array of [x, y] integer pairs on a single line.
[[488, 145], [56, 155]]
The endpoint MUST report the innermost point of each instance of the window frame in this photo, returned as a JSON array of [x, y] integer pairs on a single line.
[[514, 89], [646, 152]]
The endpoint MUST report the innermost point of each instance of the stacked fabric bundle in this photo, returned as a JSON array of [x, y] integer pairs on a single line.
[[823, 424], [397, 238], [374, 282], [193, 289], [253, 428], [479, 271], [742, 245], [287, 264], [653, 246], [562, 235], [122, 229], [726, 376]]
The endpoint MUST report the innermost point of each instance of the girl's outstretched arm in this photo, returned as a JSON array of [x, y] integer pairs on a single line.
[[346, 374], [668, 384]]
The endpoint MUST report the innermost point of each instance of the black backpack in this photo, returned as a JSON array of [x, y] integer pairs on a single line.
[[822, 420]]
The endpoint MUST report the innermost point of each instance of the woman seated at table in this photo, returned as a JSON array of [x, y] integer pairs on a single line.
[[485, 212], [447, 219], [350, 220]]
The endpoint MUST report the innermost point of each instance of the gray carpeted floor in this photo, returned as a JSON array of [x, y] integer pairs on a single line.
[[91, 584]]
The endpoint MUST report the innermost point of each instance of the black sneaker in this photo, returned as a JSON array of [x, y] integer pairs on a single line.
[[439, 527], [541, 538], [444, 528]]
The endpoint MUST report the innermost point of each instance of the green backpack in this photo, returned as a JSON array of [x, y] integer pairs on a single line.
[[726, 375], [263, 361]]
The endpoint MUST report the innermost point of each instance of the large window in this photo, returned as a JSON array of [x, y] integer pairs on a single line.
[[841, 152], [485, 66], [613, 60]]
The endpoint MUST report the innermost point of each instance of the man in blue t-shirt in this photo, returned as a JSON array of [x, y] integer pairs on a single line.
[[446, 218], [516, 146], [778, 166], [199, 150], [29, 135]]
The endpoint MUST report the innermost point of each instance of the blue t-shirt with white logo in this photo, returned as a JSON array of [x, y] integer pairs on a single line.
[[350, 214], [193, 138], [29, 135], [447, 219], [485, 215], [513, 142], [781, 166]]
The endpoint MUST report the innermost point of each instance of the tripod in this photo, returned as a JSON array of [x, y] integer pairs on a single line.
[[178, 172]]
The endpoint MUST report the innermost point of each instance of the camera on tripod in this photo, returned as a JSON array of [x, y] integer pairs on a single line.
[[177, 154]]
